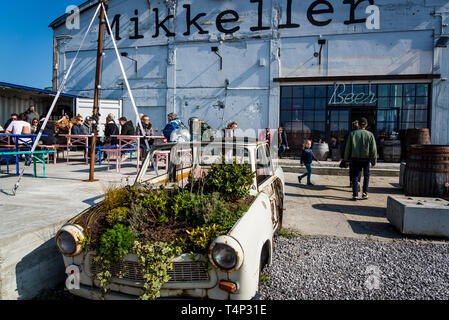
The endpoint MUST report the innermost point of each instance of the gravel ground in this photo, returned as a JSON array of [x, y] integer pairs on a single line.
[[337, 269]]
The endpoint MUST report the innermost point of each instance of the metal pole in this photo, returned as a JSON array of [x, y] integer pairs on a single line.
[[96, 109]]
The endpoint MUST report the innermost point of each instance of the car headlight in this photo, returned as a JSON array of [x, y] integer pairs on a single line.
[[68, 240], [226, 254]]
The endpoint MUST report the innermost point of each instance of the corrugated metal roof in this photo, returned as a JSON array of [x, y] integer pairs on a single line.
[[83, 7], [15, 86]]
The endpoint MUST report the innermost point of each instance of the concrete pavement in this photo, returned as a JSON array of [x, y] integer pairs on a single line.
[[29, 261], [327, 209]]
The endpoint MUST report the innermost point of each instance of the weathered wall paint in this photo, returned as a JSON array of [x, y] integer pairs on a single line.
[[262, 40]]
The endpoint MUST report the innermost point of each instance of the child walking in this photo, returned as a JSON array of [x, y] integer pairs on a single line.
[[306, 159]]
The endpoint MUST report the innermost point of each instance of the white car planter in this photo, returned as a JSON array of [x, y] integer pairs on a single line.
[[235, 260]]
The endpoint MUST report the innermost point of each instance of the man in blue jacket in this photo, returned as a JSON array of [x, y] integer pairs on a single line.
[[173, 124]]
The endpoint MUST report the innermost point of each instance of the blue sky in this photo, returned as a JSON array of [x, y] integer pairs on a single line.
[[26, 50]]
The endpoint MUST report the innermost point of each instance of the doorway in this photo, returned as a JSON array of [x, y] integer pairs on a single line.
[[368, 113]]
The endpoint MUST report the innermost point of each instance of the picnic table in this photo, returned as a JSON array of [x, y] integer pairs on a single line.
[[35, 158], [21, 141], [81, 141]]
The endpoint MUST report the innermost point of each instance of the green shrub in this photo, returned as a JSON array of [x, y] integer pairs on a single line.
[[199, 239], [116, 216], [156, 202], [115, 197], [181, 206], [228, 217], [117, 242], [156, 259], [232, 181]]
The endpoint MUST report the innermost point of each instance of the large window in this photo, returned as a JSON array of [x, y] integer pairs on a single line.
[[321, 112]]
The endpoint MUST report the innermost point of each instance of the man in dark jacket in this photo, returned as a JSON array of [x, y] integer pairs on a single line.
[[127, 127]]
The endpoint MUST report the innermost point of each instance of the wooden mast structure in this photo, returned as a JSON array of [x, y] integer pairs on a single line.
[[96, 108]]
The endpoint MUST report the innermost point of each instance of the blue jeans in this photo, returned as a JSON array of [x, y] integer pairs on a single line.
[[358, 165], [308, 174]]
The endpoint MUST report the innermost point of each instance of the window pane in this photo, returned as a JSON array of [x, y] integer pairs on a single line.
[[408, 115], [286, 125], [384, 103], [381, 127], [381, 116], [309, 115], [410, 90], [390, 127], [297, 127], [407, 125], [320, 127], [309, 103], [422, 90], [391, 115], [421, 116], [396, 90], [421, 103], [297, 104], [320, 115], [286, 92], [308, 127], [297, 115], [320, 92], [298, 92], [335, 116], [421, 125], [320, 104], [384, 90], [286, 116], [344, 116], [286, 104], [309, 92], [396, 102], [409, 102]]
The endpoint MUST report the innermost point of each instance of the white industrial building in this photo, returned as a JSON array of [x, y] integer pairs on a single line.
[[310, 66]]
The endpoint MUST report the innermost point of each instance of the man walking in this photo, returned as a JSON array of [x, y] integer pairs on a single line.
[[361, 150]]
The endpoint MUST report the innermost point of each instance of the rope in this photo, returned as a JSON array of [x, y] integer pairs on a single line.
[[47, 118]]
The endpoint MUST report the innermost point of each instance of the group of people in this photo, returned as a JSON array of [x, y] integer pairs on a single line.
[[24, 123], [359, 152]]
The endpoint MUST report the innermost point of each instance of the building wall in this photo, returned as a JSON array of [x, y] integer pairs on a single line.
[[184, 75]]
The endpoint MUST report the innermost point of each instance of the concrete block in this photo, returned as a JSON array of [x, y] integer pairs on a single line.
[[419, 216]]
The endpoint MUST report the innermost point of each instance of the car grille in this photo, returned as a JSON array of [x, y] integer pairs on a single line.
[[182, 272]]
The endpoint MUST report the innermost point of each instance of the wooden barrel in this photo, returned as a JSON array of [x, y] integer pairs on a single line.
[[427, 171], [321, 151], [416, 136], [392, 150]]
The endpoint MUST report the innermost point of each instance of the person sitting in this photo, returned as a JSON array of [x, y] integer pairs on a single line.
[[49, 134], [14, 117], [87, 126], [111, 129], [127, 127], [77, 129], [173, 124], [20, 127], [148, 132], [34, 125]]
